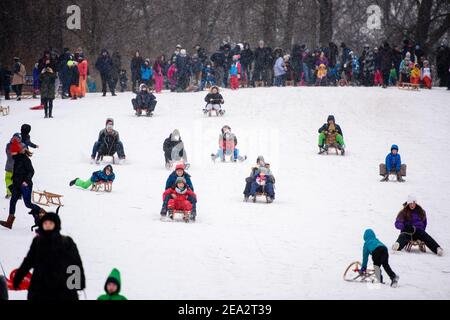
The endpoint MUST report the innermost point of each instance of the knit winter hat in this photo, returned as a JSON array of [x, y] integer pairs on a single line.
[[51, 216], [411, 199], [179, 166], [180, 180]]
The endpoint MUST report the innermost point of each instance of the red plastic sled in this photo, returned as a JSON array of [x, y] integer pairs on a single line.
[[24, 285], [39, 107]]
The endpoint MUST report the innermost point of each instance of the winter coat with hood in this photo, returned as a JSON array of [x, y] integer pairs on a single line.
[[48, 84], [171, 142], [146, 72], [104, 64], [25, 134], [170, 183], [136, 63], [50, 256], [411, 218], [279, 69], [326, 126], [102, 176], [214, 98], [218, 58], [114, 277], [19, 74], [246, 55], [393, 161], [74, 76], [370, 244], [144, 99]]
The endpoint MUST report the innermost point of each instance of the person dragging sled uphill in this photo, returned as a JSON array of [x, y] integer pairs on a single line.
[[112, 287], [214, 101], [174, 150], [102, 176], [412, 222], [145, 100], [227, 145], [331, 133], [177, 199], [380, 257], [22, 184]]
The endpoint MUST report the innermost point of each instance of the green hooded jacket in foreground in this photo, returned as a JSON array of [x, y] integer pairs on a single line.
[[114, 276]]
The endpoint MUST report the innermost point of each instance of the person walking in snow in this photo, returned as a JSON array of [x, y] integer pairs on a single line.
[[52, 257], [412, 222], [380, 256], [113, 286]]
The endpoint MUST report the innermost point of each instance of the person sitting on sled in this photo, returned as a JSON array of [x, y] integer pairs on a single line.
[[214, 100], [106, 176], [108, 143], [331, 129], [380, 257], [145, 100], [263, 181], [260, 163], [227, 145], [177, 198], [177, 173], [174, 150], [393, 164]]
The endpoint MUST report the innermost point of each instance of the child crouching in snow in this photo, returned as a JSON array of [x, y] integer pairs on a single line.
[[380, 257], [106, 176]]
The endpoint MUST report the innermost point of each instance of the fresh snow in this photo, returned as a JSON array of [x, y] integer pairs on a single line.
[[296, 248]]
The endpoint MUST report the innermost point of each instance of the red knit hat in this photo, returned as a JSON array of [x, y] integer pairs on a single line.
[[15, 146], [179, 166]]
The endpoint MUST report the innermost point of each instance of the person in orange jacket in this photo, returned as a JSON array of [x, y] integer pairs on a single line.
[[83, 71]]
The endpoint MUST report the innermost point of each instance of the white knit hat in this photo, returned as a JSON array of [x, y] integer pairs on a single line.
[[411, 199]]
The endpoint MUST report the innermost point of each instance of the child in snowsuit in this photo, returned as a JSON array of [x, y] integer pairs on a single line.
[[123, 80], [145, 100], [10, 164], [405, 69], [380, 257], [426, 75], [112, 287], [102, 176], [331, 129], [176, 198], [26, 139], [235, 72], [214, 100], [415, 74], [393, 164], [227, 145]]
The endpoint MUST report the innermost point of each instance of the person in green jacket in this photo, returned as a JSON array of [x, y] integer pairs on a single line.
[[112, 287], [380, 257]]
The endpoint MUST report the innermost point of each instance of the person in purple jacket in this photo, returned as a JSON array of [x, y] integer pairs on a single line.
[[412, 222]]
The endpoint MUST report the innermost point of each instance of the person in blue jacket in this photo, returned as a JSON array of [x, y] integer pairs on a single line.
[[380, 257], [146, 73], [393, 164], [106, 176]]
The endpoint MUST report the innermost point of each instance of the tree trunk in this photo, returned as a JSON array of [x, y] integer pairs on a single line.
[[326, 21], [289, 26], [423, 21], [269, 22]]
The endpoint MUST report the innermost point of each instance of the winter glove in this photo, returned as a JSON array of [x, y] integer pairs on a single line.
[[409, 229]]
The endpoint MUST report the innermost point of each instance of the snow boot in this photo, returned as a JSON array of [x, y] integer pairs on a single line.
[[254, 199], [214, 156], [396, 246], [71, 183], [9, 222], [163, 212], [385, 179], [269, 199], [242, 159], [378, 274], [440, 252], [246, 198], [399, 177], [394, 282]]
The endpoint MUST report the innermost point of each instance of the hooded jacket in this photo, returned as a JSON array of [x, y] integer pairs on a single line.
[[393, 162], [408, 217], [114, 277], [104, 63], [170, 143], [25, 134], [173, 178], [370, 244], [102, 176]]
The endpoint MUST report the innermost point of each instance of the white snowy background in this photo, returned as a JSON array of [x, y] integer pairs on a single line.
[[296, 248]]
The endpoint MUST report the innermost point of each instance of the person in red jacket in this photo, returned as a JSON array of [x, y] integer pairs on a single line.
[[177, 198], [83, 71]]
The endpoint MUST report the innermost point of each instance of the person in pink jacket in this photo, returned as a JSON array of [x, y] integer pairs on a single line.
[[158, 74], [82, 70]]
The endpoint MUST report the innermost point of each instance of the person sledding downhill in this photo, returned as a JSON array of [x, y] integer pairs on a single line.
[[174, 151], [145, 100], [105, 177], [263, 185], [380, 256], [175, 199], [107, 144], [214, 101], [331, 136], [393, 165], [227, 146]]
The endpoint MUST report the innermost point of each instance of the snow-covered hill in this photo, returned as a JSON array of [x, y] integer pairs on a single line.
[[296, 248]]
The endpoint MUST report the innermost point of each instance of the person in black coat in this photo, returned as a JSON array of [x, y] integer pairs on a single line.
[[173, 148], [57, 268], [136, 63], [246, 62], [5, 81], [104, 65], [386, 60], [22, 185], [74, 78], [201, 52], [144, 100], [183, 70], [218, 58], [443, 64]]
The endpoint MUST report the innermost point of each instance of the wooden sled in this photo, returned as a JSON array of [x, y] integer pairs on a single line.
[[408, 86], [101, 186], [352, 274], [331, 142], [383, 170], [100, 158], [47, 198], [259, 195], [177, 215], [416, 243], [4, 110]]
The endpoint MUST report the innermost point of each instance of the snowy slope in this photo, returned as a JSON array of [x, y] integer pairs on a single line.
[[295, 248]]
